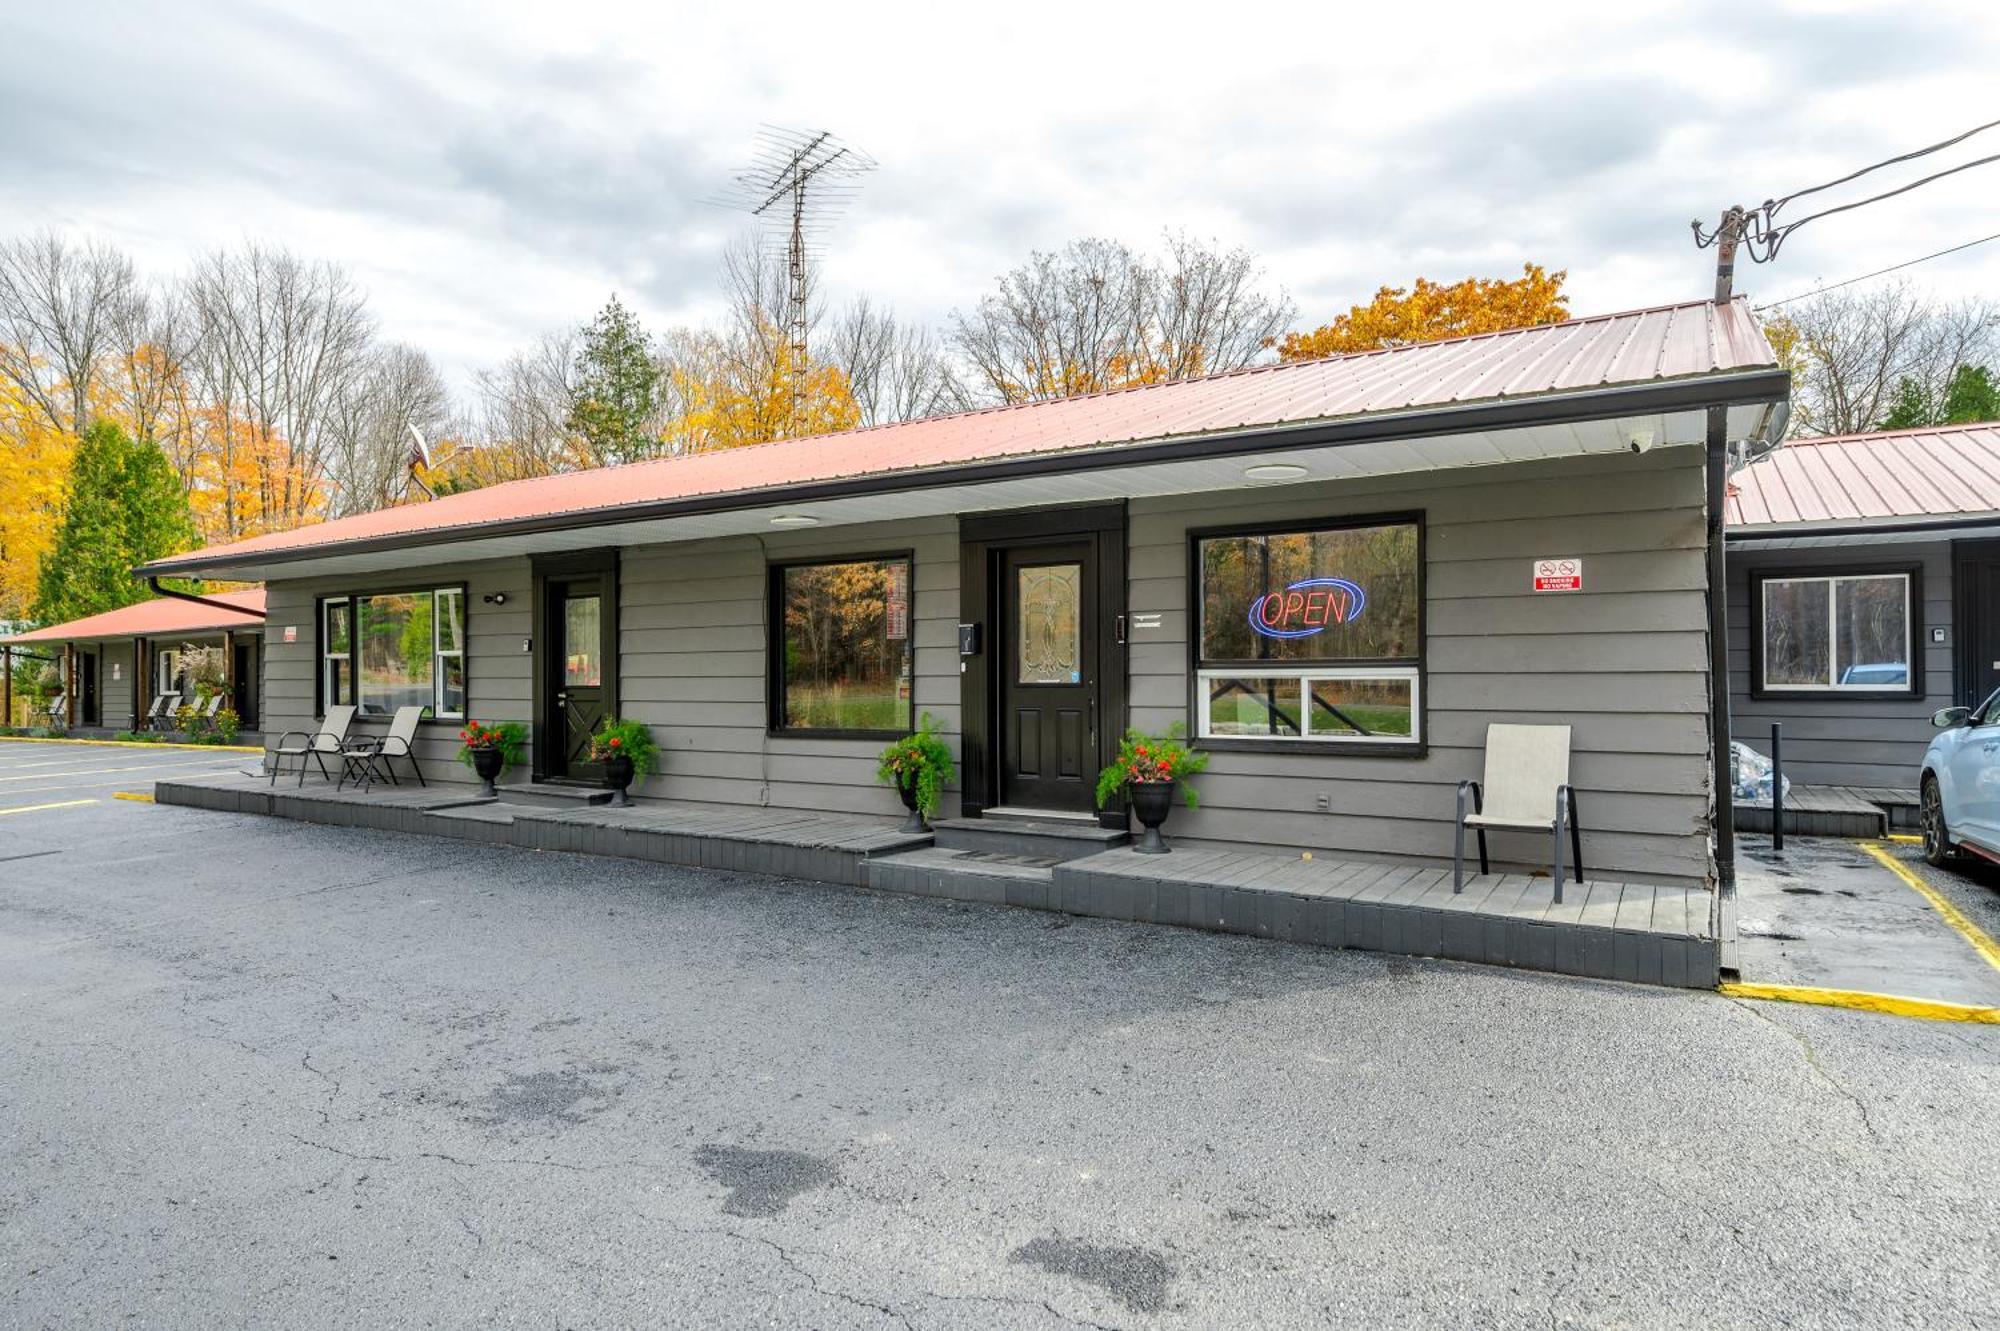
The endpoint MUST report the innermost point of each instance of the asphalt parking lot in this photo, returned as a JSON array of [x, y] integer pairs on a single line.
[[264, 1074]]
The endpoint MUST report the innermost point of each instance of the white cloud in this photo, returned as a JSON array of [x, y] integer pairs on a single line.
[[489, 171]]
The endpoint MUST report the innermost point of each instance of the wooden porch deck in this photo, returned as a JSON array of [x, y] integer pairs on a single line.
[[1605, 929], [1842, 811]]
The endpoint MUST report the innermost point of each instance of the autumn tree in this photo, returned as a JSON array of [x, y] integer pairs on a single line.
[[34, 467], [615, 388], [373, 414], [1097, 314], [123, 507], [1431, 310], [1851, 353]]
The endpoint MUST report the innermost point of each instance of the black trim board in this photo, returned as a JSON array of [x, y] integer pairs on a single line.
[[774, 646], [1715, 392]]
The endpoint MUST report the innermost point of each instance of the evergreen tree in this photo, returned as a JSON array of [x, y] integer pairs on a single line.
[[1972, 396], [1909, 409], [123, 507], [615, 394]]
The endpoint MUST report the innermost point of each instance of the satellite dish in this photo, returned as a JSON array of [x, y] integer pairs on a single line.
[[420, 452]]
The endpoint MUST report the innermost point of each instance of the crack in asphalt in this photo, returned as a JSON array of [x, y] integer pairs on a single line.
[[1811, 1058]]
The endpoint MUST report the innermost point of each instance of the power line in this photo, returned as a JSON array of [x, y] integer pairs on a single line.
[[1773, 205], [1880, 272], [1778, 235]]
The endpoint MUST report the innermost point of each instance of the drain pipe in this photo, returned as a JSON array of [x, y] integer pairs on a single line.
[[1718, 653], [159, 590]]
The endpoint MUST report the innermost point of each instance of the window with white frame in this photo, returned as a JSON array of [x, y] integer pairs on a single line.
[[1311, 634], [1846, 632], [167, 671], [395, 649]]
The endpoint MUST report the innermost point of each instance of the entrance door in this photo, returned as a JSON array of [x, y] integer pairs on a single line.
[[86, 695], [580, 630], [245, 697], [1048, 676], [1976, 611]]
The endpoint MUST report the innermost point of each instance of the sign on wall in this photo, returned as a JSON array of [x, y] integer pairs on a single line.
[[1559, 575], [291, 633]]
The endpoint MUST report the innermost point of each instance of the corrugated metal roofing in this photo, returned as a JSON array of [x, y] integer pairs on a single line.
[[163, 616], [1866, 479], [1636, 347]]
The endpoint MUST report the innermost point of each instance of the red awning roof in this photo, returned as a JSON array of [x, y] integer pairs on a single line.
[[1635, 348], [1871, 480], [159, 618]]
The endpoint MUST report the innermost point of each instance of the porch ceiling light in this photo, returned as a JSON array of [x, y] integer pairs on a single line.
[[795, 520], [1275, 471]]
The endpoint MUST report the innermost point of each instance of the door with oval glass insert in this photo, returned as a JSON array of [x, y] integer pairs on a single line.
[[1048, 677]]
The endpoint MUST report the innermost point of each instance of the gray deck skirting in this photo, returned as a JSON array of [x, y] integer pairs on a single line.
[[1635, 932]]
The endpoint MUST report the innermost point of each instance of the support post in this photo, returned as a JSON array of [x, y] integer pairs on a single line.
[[142, 685], [1777, 787], [69, 686], [7, 707], [1718, 653]]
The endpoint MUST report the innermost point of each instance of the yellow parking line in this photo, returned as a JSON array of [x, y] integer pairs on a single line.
[[1982, 943], [132, 744], [36, 808], [132, 795], [1895, 1005]]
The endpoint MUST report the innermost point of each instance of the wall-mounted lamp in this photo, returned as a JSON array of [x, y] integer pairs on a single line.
[[495, 598]]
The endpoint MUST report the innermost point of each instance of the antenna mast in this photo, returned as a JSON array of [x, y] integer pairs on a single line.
[[797, 184]]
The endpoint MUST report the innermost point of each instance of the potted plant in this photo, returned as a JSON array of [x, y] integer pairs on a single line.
[[490, 750], [918, 766], [1147, 769], [626, 749]]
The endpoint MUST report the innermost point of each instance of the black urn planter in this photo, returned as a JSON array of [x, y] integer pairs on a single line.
[[908, 790], [618, 776], [487, 764], [1152, 801]]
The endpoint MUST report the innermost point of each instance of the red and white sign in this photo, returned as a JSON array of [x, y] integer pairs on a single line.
[[1558, 575], [291, 633]]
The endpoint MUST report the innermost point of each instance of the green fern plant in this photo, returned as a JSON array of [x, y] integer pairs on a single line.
[[920, 761]]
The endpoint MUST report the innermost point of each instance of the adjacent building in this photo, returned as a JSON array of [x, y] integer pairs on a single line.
[[1334, 574]]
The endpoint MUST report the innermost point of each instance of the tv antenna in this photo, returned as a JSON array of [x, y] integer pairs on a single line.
[[797, 184]]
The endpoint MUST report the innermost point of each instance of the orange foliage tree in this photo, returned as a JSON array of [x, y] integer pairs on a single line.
[[1431, 310], [34, 469]]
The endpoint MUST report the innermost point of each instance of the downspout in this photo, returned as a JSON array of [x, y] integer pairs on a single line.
[[1718, 654], [159, 590]]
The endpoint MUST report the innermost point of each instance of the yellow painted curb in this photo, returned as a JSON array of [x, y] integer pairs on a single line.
[[1894, 1005], [36, 808], [1907, 838], [1981, 942], [132, 795], [168, 746]]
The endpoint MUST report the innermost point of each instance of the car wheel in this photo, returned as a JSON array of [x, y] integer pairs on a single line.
[[1937, 837]]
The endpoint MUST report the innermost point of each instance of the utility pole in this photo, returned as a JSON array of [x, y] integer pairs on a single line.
[[1728, 235]]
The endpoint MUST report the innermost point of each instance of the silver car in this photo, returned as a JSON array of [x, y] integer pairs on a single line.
[[1960, 790]]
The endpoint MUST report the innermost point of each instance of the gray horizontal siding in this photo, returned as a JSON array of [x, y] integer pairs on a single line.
[[1624, 663], [499, 675], [1844, 741], [693, 642]]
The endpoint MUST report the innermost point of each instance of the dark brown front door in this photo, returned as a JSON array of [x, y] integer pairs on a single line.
[[1048, 676], [580, 630]]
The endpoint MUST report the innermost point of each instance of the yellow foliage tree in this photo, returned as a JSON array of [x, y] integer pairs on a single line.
[[34, 467], [1431, 310], [722, 397]]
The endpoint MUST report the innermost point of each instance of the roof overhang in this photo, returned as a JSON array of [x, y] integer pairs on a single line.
[[1596, 422], [1865, 531]]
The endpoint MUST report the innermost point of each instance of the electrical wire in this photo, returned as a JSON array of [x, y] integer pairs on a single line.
[[1879, 272], [1775, 204], [1781, 232]]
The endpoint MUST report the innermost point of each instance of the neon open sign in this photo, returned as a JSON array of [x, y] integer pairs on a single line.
[[1309, 606]]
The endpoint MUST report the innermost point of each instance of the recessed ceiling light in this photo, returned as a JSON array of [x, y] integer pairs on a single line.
[[795, 520], [1275, 471]]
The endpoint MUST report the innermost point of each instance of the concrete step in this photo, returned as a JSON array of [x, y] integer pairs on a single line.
[[1052, 839], [964, 875], [555, 795]]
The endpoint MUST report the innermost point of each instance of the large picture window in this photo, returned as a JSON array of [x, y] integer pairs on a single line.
[[842, 655], [395, 649], [1843, 633], [1311, 634]]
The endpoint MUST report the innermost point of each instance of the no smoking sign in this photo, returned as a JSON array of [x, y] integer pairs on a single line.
[[1559, 575]]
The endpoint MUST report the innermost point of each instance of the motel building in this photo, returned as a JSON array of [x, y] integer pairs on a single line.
[[1335, 574]]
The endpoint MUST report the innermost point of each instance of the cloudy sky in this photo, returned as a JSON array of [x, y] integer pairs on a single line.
[[493, 170]]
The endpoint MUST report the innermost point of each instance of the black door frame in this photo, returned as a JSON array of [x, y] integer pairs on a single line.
[[982, 537], [1965, 617], [562, 568]]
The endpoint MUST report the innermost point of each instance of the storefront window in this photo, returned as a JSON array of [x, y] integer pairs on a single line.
[[1841, 632], [1311, 635], [842, 653]]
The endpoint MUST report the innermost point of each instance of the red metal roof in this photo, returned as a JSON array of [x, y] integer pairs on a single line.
[[1637, 347], [1871, 479], [162, 617]]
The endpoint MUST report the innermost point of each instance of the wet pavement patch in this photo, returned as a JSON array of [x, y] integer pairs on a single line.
[[564, 1098], [1135, 1277], [763, 1183]]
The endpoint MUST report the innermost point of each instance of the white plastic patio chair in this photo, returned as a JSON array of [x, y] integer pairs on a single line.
[[329, 739], [363, 760], [1526, 788], [160, 716]]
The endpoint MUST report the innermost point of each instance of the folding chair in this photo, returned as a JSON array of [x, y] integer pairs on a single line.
[[364, 760], [160, 716], [1526, 787], [329, 739]]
